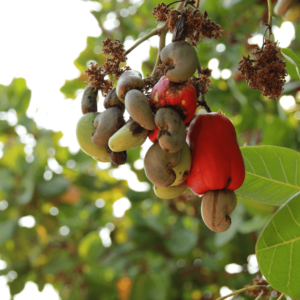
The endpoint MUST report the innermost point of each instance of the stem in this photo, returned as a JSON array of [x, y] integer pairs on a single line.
[[197, 3], [270, 17], [154, 32], [259, 296], [253, 287], [203, 103], [281, 296], [162, 44]]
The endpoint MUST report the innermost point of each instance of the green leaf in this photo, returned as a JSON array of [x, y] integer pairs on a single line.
[[54, 187], [278, 248], [7, 229], [271, 174], [181, 241], [290, 56]]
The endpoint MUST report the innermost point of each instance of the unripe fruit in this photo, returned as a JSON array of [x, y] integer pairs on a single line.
[[183, 168], [89, 100], [181, 60], [138, 106], [172, 133], [181, 97], [103, 159], [131, 135], [216, 207], [159, 165], [84, 132], [170, 192], [106, 124], [112, 100], [129, 80]]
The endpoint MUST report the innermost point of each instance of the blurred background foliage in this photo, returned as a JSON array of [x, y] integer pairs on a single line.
[[56, 221]]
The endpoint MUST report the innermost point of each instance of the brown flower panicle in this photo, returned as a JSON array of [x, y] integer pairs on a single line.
[[266, 70], [114, 52], [202, 84], [197, 23]]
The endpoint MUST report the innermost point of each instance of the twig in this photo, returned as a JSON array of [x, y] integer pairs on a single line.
[[154, 32], [281, 296], [203, 103], [259, 296], [253, 287], [162, 44], [197, 3]]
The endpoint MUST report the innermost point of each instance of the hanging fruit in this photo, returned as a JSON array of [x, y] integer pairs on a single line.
[[217, 162]]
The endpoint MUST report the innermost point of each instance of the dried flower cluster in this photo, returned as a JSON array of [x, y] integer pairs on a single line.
[[202, 84], [200, 25], [197, 23], [115, 54], [266, 71], [150, 81], [257, 292]]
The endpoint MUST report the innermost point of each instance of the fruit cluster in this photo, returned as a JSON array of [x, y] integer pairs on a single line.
[[206, 157]]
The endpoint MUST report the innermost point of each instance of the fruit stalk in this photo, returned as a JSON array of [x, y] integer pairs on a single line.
[[270, 17], [161, 45]]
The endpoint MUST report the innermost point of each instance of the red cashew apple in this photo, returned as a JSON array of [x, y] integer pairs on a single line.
[[180, 96], [217, 162]]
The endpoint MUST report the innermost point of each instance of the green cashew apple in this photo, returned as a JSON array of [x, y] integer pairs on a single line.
[[84, 131], [131, 135], [170, 192]]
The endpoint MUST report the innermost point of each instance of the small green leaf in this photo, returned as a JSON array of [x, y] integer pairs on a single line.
[[272, 174], [7, 229], [290, 56], [181, 241], [278, 248]]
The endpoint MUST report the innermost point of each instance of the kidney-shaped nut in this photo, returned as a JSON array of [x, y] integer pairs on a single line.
[[112, 100], [170, 192], [129, 80], [172, 133], [159, 165], [106, 124], [131, 135], [138, 106], [181, 60], [216, 207], [89, 100]]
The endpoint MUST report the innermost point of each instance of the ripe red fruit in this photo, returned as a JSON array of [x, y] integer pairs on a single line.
[[217, 162], [180, 96]]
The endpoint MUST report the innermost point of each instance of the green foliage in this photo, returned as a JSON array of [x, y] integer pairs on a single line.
[[162, 246], [271, 174], [278, 247]]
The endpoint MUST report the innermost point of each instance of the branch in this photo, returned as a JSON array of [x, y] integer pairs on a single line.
[[281, 296], [253, 287], [154, 32], [162, 43]]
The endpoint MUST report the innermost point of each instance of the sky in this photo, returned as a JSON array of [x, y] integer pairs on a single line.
[[42, 37]]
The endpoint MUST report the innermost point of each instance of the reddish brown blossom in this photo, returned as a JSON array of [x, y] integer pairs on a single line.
[[265, 71]]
